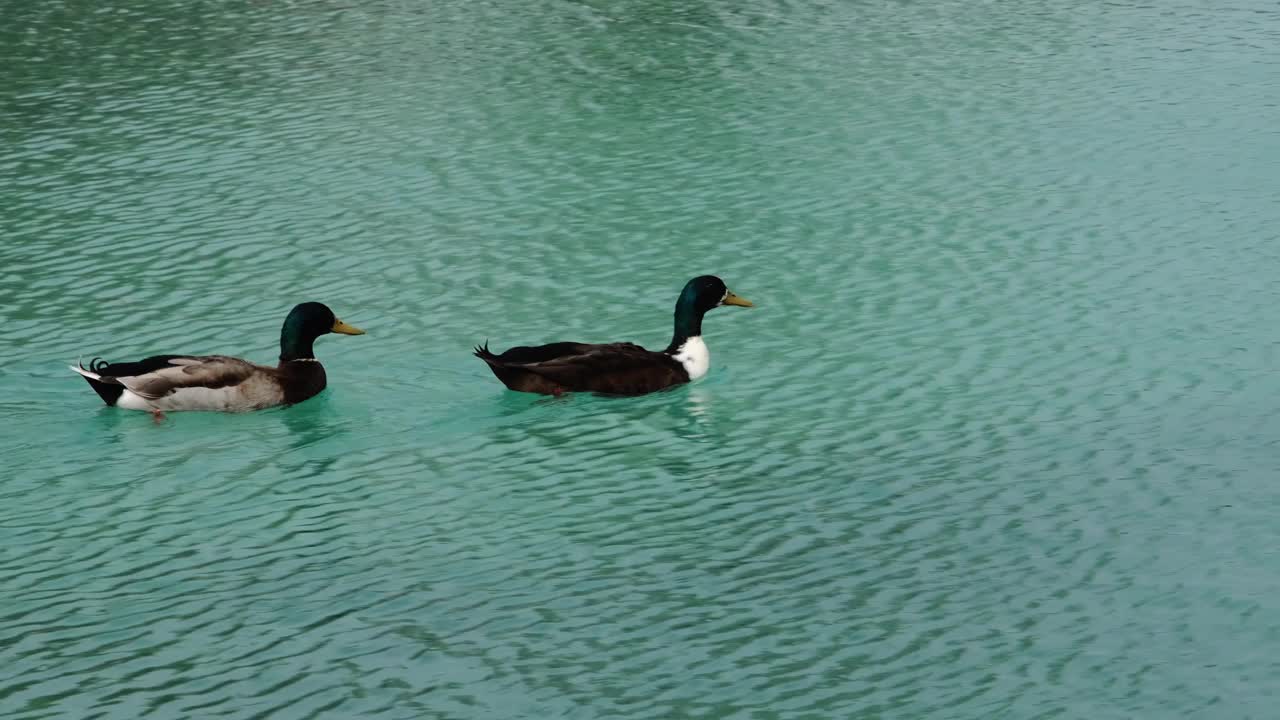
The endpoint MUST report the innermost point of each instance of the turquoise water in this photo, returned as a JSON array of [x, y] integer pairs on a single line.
[[998, 440]]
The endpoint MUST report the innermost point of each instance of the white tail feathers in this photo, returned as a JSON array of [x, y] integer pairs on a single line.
[[86, 373]]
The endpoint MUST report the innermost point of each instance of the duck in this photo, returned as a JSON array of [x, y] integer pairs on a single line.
[[620, 368], [163, 383]]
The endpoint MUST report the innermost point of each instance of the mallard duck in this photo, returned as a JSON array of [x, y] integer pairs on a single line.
[[219, 382], [618, 368]]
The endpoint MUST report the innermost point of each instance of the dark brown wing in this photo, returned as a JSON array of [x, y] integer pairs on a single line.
[[615, 369], [184, 371], [525, 354]]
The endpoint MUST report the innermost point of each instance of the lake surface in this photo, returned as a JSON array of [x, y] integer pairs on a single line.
[[999, 440]]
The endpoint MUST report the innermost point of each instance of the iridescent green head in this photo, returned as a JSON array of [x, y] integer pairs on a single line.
[[701, 294], [305, 323]]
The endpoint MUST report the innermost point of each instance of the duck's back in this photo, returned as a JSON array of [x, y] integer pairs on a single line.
[[613, 369]]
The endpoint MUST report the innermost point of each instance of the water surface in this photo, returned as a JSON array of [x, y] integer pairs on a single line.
[[998, 440]]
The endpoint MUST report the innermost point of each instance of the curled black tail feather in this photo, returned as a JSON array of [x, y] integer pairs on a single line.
[[108, 389], [483, 353]]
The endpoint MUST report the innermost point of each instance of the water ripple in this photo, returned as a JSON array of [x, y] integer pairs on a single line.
[[994, 442]]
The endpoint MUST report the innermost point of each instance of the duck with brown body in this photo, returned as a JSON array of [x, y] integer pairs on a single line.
[[218, 382], [618, 368]]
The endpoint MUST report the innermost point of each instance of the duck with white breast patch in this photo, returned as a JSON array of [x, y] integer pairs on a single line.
[[619, 368]]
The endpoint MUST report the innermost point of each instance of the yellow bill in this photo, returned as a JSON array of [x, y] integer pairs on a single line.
[[731, 299], [344, 329]]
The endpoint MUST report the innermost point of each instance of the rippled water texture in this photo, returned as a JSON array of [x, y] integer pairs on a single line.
[[998, 440]]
